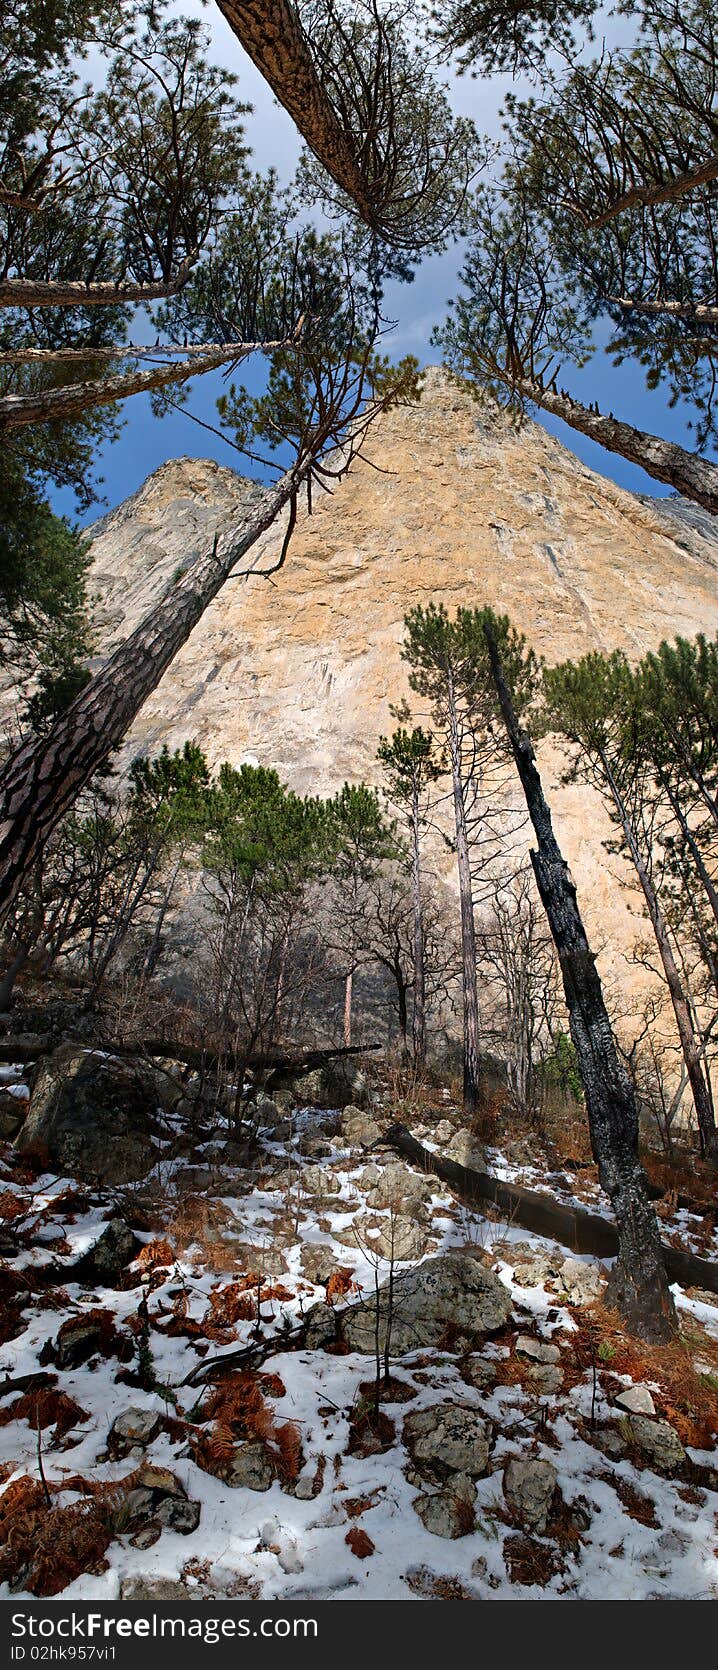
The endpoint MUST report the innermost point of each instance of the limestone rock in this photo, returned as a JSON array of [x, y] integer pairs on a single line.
[[636, 1400], [467, 507], [114, 1249], [581, 1282], [449, 1512], [448, 1438], [250, 1466], [400, 1188], [318, 1263], [405, 1239], [93, 1115], [320, 1326], [529, 1488], [134, 1426], [452, 1297], [657, 1442], [537, 1350], [466, 1149]]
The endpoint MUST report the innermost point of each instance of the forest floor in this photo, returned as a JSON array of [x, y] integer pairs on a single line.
[[120, 1478]]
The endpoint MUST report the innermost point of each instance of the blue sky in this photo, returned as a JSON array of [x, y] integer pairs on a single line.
[[146, 442]]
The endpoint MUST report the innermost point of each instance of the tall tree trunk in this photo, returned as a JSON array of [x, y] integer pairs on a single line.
[[419, 984], [690, 474], [43, 777], [348, 988], [466, 902], [272, 36], [639, 1283], [700, 1089]]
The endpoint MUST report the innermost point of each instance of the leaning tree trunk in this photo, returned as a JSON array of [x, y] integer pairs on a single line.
[[43, 777], [690, 474], [468, 929], [700, 1087], [419, 985], [639, 1283], [271, 33]]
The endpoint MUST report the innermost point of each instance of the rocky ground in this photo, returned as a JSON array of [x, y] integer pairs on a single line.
[[523, 1445]]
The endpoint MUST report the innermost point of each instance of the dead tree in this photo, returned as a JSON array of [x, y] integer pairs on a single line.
[[639, 1283]]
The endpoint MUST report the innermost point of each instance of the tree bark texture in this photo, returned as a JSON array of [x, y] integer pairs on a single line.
[[272, 36]]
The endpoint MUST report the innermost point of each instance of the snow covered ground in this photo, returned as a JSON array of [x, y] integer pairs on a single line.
[[619, 1528]]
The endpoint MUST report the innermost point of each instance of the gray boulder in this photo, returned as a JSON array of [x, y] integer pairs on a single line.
[[320, 1326], [466, 1149], [530, 1488], [250, 1466], [449, 1512], [447, 1300], [526, 1346], [581, 1282], [448, 1438], [93, 1116], [657, 1442], [401, 1189], [636, 1400]]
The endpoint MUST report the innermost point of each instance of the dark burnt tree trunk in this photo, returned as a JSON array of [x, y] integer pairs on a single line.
[[639, 1283], [44, 776], [466, 902]]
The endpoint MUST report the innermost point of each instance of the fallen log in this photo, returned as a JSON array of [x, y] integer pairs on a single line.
[[28, 1049], [573, 1226]]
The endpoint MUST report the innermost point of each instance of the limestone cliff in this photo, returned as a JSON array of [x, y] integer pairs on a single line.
[[453, 503]]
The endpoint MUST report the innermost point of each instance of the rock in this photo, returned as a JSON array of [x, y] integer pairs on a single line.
[[533, 1267], [608, 1440], [264, 1261], [160, 1479], [319, 1181], [657, 1442], [448, 1438], [537, 1350], [478, 1371], [318, 1263], [581, 1282], [359, 1129], [114, 1249], [250, 1466], [449, 1298], [529, 1488], [93, 1116], [450, 1512], [405, 1240], [135, 1426], [637, 1400], [335, 1085], [178, 1515], [545, 1378], [320, 1326], [466, 1149], [444, 1131], [399, 1188]]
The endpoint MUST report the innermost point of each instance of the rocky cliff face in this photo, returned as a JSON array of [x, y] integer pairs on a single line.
[[458, 506]]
